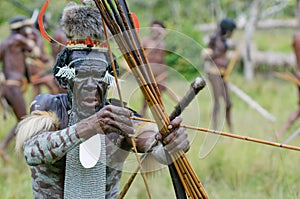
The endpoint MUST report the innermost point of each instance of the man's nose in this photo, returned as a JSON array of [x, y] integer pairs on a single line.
[[91, 83]]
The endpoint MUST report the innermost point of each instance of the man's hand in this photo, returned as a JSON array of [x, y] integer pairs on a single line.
[[110, 119], [177, 140]]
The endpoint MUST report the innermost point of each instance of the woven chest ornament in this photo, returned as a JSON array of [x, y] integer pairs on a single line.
[[83, 28]]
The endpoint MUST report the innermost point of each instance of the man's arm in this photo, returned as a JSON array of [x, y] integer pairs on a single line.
[[49, 146], [40, 136], [42, 143], [150, 140]]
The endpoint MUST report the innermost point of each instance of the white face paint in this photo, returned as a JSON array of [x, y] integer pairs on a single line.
[[28, 30]]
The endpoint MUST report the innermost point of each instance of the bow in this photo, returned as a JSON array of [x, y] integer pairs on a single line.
[[120, 23], [41, 25]]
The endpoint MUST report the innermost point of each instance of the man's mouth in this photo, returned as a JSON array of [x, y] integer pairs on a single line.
[[90, 102]]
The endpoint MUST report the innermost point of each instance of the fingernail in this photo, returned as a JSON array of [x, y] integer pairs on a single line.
[[170, 126], [164, 142]]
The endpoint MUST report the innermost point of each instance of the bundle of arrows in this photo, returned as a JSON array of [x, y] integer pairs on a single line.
[[119, 21]]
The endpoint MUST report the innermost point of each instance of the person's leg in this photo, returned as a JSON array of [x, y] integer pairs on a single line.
[[16, 100], [290, 121], [228, 106], [163, 88], [216, 87], [144, 107]]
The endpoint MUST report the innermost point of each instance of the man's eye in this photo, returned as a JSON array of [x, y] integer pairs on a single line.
[[80, 79]]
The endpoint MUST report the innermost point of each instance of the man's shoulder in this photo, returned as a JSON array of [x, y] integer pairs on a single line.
[[49, 102]]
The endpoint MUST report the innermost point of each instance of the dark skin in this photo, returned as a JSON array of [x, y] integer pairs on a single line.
[[89, 95], [155, 48], [37, 62], [59, 36], [12, 53], [296, 114], [90, 115], [219, 86]]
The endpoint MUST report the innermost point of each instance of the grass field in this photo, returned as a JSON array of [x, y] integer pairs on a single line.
[[232, 168]]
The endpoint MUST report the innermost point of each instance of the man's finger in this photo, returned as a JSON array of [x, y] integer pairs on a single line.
[[183, 146], [122, 118], [120, 111], [176, 137], [175, 123]]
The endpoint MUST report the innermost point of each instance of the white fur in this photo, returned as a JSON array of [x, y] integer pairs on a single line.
[[37, 121]]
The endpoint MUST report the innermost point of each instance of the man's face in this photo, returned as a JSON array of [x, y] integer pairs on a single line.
[[156, 30], [88, 89], [27, 31]]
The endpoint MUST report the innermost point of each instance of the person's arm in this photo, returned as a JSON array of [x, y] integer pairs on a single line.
[[25, 43], [176, 141], [2, 48], [44, 144], [39, 136], [49, 146]]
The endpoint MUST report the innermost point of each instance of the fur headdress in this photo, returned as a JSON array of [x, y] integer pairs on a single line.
[[83, 26], [80, 22]]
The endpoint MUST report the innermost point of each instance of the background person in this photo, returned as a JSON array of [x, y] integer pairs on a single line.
[[215, 67], [13, 51]]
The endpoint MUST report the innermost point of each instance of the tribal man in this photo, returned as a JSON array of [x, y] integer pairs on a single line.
[[52, 135], [216, 65], [13, 51], [296, 114], [155, 48]]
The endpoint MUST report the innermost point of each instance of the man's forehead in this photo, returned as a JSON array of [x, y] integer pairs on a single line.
[[89, 60], [87, 54], [89, 68]]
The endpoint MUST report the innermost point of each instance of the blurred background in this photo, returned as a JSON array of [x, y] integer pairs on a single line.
[[262, 48]]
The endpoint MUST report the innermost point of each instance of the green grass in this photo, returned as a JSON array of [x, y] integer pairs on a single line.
[[232, 169], [264, 40]]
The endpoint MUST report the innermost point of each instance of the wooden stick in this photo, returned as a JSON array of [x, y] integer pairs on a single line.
[[252, 103], [130, 180], [135, 56], [113, 64], [289, 77], [119, 92], [293, 136], [197, 85], [231, 63], [189, 179], [140, 165], [152, 100], [190, 176], [231, 135], [193, 174]]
